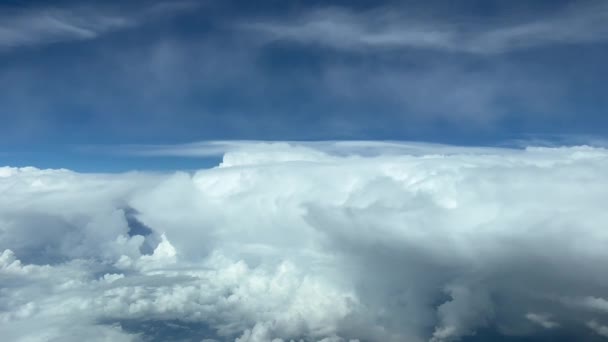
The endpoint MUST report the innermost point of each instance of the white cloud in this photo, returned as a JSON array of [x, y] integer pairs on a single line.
[[35, 25], [53, 25], [399, 28], [598, 328], [270, 151], [321, 241], [544, 320], [595, 303]]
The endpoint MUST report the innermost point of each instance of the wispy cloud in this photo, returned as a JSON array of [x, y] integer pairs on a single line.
[[37, 26], [395, 28], [53, 25]]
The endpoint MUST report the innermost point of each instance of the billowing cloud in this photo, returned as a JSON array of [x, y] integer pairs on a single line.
[[310, 242]]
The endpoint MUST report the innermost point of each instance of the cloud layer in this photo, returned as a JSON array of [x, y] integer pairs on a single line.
[[158, 71], [391, 28], [313, 242], [38, 26]]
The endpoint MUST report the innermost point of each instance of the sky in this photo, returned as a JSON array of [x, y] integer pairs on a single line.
[[303, 171], [80, 73]]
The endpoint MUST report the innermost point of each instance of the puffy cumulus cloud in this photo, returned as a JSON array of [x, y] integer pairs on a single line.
[[598, 328], [542, 319], [311, 242]]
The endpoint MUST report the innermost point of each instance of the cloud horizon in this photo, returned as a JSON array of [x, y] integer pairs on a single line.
[[283, 242]]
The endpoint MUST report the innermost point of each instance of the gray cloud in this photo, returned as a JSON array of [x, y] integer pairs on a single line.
[[392, 27], [208, 84], [543, 320], [48, 26], [36, 26], [598, 328], [272, 150]]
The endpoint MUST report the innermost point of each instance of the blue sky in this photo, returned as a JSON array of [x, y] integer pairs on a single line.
[[80, 73]]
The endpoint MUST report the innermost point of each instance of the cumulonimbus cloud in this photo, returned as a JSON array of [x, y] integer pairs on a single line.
[[283, 242]]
